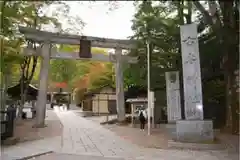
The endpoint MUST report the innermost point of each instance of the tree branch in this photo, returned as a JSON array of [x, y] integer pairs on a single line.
[[33, 69], [207, 18], [189, 14], [180, 11], [27, 67], [215, 13]]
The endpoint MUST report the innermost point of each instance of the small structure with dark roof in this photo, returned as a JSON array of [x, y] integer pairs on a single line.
[[15, 92], [100, 101]]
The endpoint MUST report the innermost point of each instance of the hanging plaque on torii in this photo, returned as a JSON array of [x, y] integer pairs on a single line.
[[85, 49]]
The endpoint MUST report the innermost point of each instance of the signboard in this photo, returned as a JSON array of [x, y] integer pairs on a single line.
[[85, 49]]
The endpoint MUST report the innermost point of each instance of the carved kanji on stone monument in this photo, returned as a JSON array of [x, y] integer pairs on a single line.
[[190, 40], [173, 96], [191, 73]]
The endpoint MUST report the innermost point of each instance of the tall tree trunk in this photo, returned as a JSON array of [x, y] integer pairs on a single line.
[[227, 31], [7, 75], [189, 14], [231, 55], [26, 78], [179, 61], [232, 103], [23, 87], [3, 3], [232, 121], [234, 107], [20, 108], [4, 81]]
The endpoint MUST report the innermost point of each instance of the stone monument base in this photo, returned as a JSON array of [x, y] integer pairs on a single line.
[[170, 129], [196, 146], [195, 131]]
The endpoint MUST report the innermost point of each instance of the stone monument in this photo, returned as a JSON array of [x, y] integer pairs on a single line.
[[173, 96], [194, 128]]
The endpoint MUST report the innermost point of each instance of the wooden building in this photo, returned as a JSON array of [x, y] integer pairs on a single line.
[[100, 101]]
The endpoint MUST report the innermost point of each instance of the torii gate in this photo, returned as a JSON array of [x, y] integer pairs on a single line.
[[86, 42]]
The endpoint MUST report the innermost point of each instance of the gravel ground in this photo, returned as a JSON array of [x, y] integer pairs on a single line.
[[25, 131]]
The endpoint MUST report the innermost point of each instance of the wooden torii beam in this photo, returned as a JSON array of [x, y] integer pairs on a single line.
[[49, 38], [75, 55], [58, 38]]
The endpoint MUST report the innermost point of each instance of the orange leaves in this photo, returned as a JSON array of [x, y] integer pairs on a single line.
[[96, 70], [61, 84]]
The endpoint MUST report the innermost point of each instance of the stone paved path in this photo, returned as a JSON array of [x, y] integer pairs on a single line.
[[30, 148], [61, 156], [83, 138], [89, 138]]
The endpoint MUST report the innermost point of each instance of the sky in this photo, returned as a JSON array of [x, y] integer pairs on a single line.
[[101, 22]]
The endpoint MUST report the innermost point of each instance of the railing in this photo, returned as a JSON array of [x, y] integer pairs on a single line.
[[7, 123]]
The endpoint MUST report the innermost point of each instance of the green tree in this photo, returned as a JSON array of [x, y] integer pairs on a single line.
[[223, 18], [28, 14], [72, 71], [152, 23], [62, 70], [105, 76], [160, 21]]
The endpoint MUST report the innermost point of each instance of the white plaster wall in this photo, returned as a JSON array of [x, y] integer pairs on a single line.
[[100, 101]]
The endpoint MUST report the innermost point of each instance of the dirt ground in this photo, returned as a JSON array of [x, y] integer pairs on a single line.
[[157, 139], [159, 136], [25, 132]]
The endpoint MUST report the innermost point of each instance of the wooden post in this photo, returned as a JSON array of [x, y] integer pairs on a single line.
[[152, 108], [43, 85], [98, 106], [119, 85], [132, 114]]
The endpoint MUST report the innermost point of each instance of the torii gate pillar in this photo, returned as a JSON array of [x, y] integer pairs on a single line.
[[119, 85], [43, 86]]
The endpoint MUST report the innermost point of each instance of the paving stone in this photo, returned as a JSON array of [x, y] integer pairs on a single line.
[[75, 157], [84, 138]]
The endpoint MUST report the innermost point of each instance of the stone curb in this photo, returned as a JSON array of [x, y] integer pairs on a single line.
[[100, 156], [196, 146], [36, 155]]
